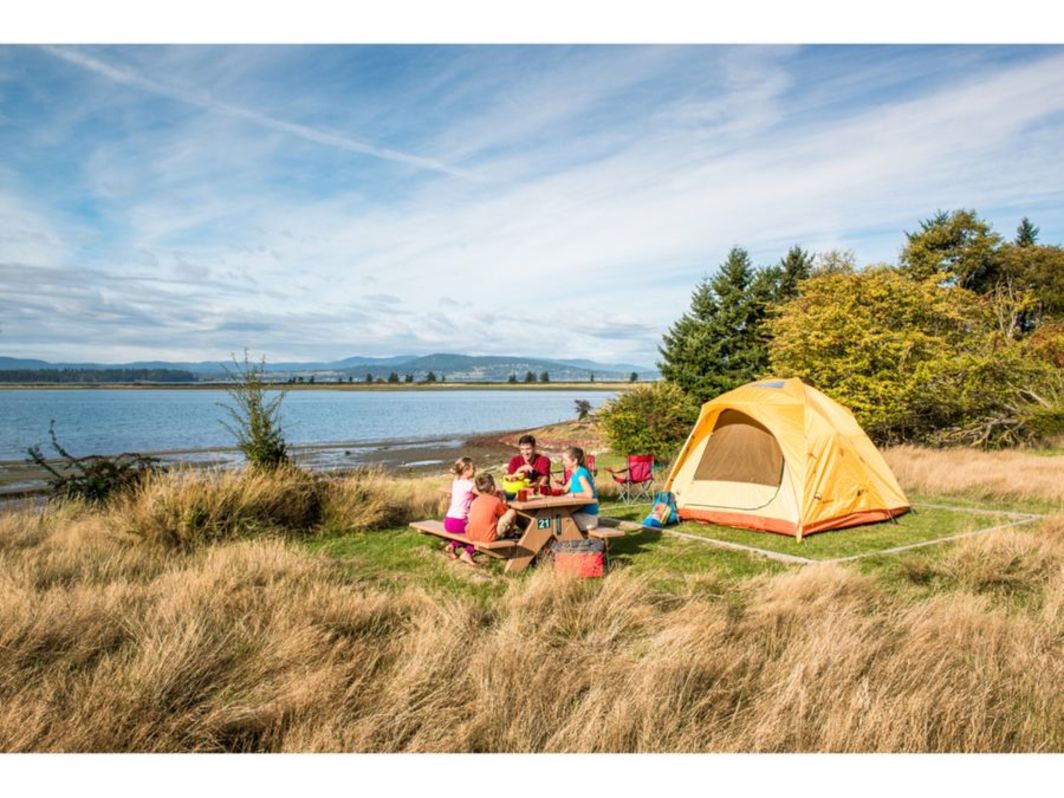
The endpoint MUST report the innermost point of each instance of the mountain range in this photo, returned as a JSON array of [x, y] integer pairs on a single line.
[[456, 368]]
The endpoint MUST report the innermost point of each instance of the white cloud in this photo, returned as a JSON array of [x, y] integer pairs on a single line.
[[592, 257]]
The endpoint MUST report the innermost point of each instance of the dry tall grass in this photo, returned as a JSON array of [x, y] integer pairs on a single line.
[[190, 508], [109, 643], [1014, 475]]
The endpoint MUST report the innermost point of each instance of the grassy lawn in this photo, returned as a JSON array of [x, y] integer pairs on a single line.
[[914, 527], [394, 559]]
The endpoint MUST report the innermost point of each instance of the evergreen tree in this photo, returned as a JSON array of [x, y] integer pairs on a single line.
[[529, 376], [512, 379], [720, 343], [369, 378], [544, 377], [633, 377], [795, 266], [1026, 233], [393, 377], [408, 378], [430, 377]]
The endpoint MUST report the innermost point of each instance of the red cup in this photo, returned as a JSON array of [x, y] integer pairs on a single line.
[[522, 495]]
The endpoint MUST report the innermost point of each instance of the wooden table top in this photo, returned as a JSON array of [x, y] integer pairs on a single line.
[[537, 502]]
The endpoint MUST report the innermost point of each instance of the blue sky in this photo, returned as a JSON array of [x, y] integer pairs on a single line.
[[185, 202]]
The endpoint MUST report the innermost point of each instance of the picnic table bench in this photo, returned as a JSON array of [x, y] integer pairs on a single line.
[[494, 548]]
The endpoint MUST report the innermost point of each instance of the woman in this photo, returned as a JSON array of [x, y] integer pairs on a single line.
[[581, 484]]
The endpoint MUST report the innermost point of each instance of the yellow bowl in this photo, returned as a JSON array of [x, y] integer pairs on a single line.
[[514, 485]]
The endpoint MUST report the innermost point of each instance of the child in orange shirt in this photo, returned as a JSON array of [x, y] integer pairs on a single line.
[[489, 518]]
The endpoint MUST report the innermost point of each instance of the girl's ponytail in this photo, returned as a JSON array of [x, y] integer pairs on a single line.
[[460, 465]]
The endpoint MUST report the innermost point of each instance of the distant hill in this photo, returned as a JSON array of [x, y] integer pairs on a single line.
[[456, 368]]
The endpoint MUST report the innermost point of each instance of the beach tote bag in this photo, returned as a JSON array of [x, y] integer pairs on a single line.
[[663, 512]]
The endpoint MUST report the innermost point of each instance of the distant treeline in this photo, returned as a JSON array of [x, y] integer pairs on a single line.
[[95, 376]]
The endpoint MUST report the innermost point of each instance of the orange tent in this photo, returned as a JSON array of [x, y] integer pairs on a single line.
[[780, 456]]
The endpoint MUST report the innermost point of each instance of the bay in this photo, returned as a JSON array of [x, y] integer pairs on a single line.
[[109, 421]]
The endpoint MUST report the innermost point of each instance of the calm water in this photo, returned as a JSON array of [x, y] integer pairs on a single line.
[[112, 421]]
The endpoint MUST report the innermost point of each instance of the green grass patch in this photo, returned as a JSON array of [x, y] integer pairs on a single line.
[[397, 558], [393, 559], [923, 524]]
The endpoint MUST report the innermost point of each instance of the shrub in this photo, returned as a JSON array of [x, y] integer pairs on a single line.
[[256, 420], [649, 419], [96, 478]]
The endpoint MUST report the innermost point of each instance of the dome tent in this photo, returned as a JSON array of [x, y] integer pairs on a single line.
[[780, 456]]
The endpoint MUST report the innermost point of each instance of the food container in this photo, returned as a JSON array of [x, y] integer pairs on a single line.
[[512, 485]]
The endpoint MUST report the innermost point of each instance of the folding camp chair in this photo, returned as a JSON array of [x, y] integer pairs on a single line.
[[637, 480]]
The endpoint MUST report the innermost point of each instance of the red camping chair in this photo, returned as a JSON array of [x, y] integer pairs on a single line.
[[637, 480]]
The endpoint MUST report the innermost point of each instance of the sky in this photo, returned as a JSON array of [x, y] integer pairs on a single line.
[[318, 202]]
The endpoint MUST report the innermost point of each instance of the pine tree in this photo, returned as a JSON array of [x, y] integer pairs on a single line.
[[795, 266], [1026, 233], [369, 378], [408, 378], [512, 379], [393, 377], [529, 376], [720, 343], [544, 377]]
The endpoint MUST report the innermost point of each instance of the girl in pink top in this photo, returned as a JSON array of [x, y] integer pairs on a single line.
[[462, 495]]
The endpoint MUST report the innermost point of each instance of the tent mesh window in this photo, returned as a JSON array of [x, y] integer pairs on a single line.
[[741, 450]]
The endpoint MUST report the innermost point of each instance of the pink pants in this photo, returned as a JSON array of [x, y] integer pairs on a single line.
[[458, 527]]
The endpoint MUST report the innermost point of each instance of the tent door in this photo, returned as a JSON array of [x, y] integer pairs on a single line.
[[741, 467]]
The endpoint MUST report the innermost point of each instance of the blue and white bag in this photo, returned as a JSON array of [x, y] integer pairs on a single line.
[[663, 512]]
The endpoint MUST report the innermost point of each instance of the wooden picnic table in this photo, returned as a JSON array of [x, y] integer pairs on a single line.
[[548, 517]]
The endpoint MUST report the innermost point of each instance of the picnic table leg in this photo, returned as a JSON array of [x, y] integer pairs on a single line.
[[534, 539], [530, 544]]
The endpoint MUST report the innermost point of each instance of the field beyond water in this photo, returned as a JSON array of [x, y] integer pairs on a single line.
[[233, 612]]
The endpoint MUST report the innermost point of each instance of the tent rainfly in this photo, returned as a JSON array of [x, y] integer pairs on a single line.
[[780, 456]]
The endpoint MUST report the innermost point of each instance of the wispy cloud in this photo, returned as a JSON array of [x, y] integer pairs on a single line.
[[620, 176], [128, 77]]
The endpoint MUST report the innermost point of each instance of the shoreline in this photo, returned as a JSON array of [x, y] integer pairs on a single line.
[[330, 386], [20, 479]]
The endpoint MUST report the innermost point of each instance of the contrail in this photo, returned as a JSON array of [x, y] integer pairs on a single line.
[[130, 78]]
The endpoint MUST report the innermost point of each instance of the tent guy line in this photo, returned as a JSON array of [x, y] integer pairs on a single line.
[[1027, 518]]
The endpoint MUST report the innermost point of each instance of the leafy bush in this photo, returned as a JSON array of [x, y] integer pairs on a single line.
[[96, 478], [649, 419], [256, 420], [916, 360]]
